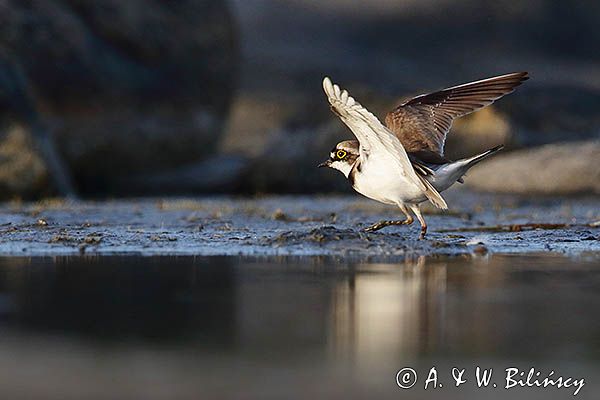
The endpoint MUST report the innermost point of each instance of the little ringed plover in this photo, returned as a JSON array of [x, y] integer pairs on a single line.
[[403, 162]]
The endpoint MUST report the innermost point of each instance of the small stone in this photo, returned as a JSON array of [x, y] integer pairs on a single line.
[[480, 250], [92, 239], [279, 215]]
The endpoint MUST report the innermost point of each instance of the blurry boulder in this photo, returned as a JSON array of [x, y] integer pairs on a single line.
[[23, 172], [253, 122], [285, 139], [477, 132], [127, 87], [552, 113], [220, 173], [289, 162], [561, 168]]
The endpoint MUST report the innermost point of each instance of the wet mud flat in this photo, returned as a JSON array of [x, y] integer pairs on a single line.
[[299, 226]]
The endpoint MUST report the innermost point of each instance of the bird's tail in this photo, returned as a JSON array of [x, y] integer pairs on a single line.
[[480, 157], [466, 163]]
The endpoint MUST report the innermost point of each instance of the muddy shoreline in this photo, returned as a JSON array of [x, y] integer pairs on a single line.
[[298, 226]]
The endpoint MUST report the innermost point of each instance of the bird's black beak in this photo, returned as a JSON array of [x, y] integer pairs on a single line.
[[324, 164]]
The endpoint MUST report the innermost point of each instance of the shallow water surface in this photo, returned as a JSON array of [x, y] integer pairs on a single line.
[[229, 327]]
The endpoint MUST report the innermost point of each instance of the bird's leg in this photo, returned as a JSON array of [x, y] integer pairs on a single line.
[[382, 224], [415, 209]]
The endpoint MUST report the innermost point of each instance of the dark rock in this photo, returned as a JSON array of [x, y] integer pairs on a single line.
[[127, 87]]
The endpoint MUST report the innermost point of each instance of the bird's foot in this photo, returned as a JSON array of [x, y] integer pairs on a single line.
[[382, 224], [423, 232]]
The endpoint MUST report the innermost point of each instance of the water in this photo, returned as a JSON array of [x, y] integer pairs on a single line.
[[185, 327]]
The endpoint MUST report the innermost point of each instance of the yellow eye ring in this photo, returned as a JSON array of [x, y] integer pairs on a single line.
[[340, 154]]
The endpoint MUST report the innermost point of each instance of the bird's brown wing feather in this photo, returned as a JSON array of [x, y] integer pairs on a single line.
[[423, 122]]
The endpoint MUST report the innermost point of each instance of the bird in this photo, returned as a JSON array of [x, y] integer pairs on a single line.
[[402, 162]]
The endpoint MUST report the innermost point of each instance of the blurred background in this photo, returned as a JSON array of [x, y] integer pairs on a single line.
[[120, 98]]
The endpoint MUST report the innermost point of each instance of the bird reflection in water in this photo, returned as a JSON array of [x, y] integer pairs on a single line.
[[386, 312]]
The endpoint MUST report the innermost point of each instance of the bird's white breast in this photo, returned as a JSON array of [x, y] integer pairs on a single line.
[[382, 180]]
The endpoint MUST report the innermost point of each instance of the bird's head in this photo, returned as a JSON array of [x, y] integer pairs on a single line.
[[342, 157]]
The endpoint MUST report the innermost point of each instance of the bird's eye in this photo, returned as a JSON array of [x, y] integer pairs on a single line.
[[340, 154]]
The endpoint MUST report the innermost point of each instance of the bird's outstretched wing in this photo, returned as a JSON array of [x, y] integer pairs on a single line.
[[374, 138], [423, 122]]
